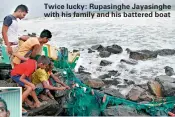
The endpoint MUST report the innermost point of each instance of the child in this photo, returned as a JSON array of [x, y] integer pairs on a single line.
[[40, 79], [21, 74], [55, 79]]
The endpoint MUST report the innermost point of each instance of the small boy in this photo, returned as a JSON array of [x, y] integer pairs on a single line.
[[53, 79], [21, 74], [40, 79]]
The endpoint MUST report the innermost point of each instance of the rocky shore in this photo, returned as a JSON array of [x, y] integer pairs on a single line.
[[110, 83]]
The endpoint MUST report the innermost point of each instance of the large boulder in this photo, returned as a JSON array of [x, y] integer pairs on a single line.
[[51, 108], [168, 85], [165, 52], [105, 63], [128, 82], [131, 62], [82, 69], [121, 110], [104, 54], [111, 82], [109, 74], [155, 88], [142, 55], [98, 48], [104, 76], [113, 73], [95, 83], [115, 49], [83, 76], [113, 92], [4, 74], [135, 93], [169, 71], [90, 50]]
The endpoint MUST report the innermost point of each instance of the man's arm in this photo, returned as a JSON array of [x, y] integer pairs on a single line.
[[46, 86], [34, 51], [4, 34]]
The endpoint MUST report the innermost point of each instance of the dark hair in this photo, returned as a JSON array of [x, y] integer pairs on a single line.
[[22, 8], [5, 104], [46, 33], [43, 59]]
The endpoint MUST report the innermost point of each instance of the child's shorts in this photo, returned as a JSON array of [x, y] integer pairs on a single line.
[[16, 79]]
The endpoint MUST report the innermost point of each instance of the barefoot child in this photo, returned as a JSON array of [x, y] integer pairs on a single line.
[[21, 74], [40, 79], [55, 79]]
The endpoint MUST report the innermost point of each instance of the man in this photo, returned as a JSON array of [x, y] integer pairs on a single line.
[[32, 47], [10, 27], [4, 112]]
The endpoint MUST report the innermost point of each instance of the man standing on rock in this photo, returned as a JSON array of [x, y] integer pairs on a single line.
[[10, 28]]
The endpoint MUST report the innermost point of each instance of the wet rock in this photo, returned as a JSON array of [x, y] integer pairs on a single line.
[[95, 83], [32, 35], [128, 50], [165, 78], [168, 85], [98, 48], [142, 55], [4, 83], [4, 74], [105, 63], [131, 62], [104, 54], [122, 85], [155, 88], [169, 71], [133, 71], [146, 96], [80, 69], [83, 77], [113, 73], [110, 73], [135, 93], [122, 110], [90, 51], [129, 82], [143, 86], [115, 49], [51, 108], [165, 52], [99, 68], [111, 82], [113, 92], [104, 76], [143, 51], [75, 51]]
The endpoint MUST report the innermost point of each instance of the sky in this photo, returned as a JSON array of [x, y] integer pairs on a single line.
[[37, 9]]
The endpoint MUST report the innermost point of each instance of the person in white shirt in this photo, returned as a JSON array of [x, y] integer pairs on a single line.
[[10, 27]]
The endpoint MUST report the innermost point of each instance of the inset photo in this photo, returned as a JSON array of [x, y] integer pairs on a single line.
[[10, 102]]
